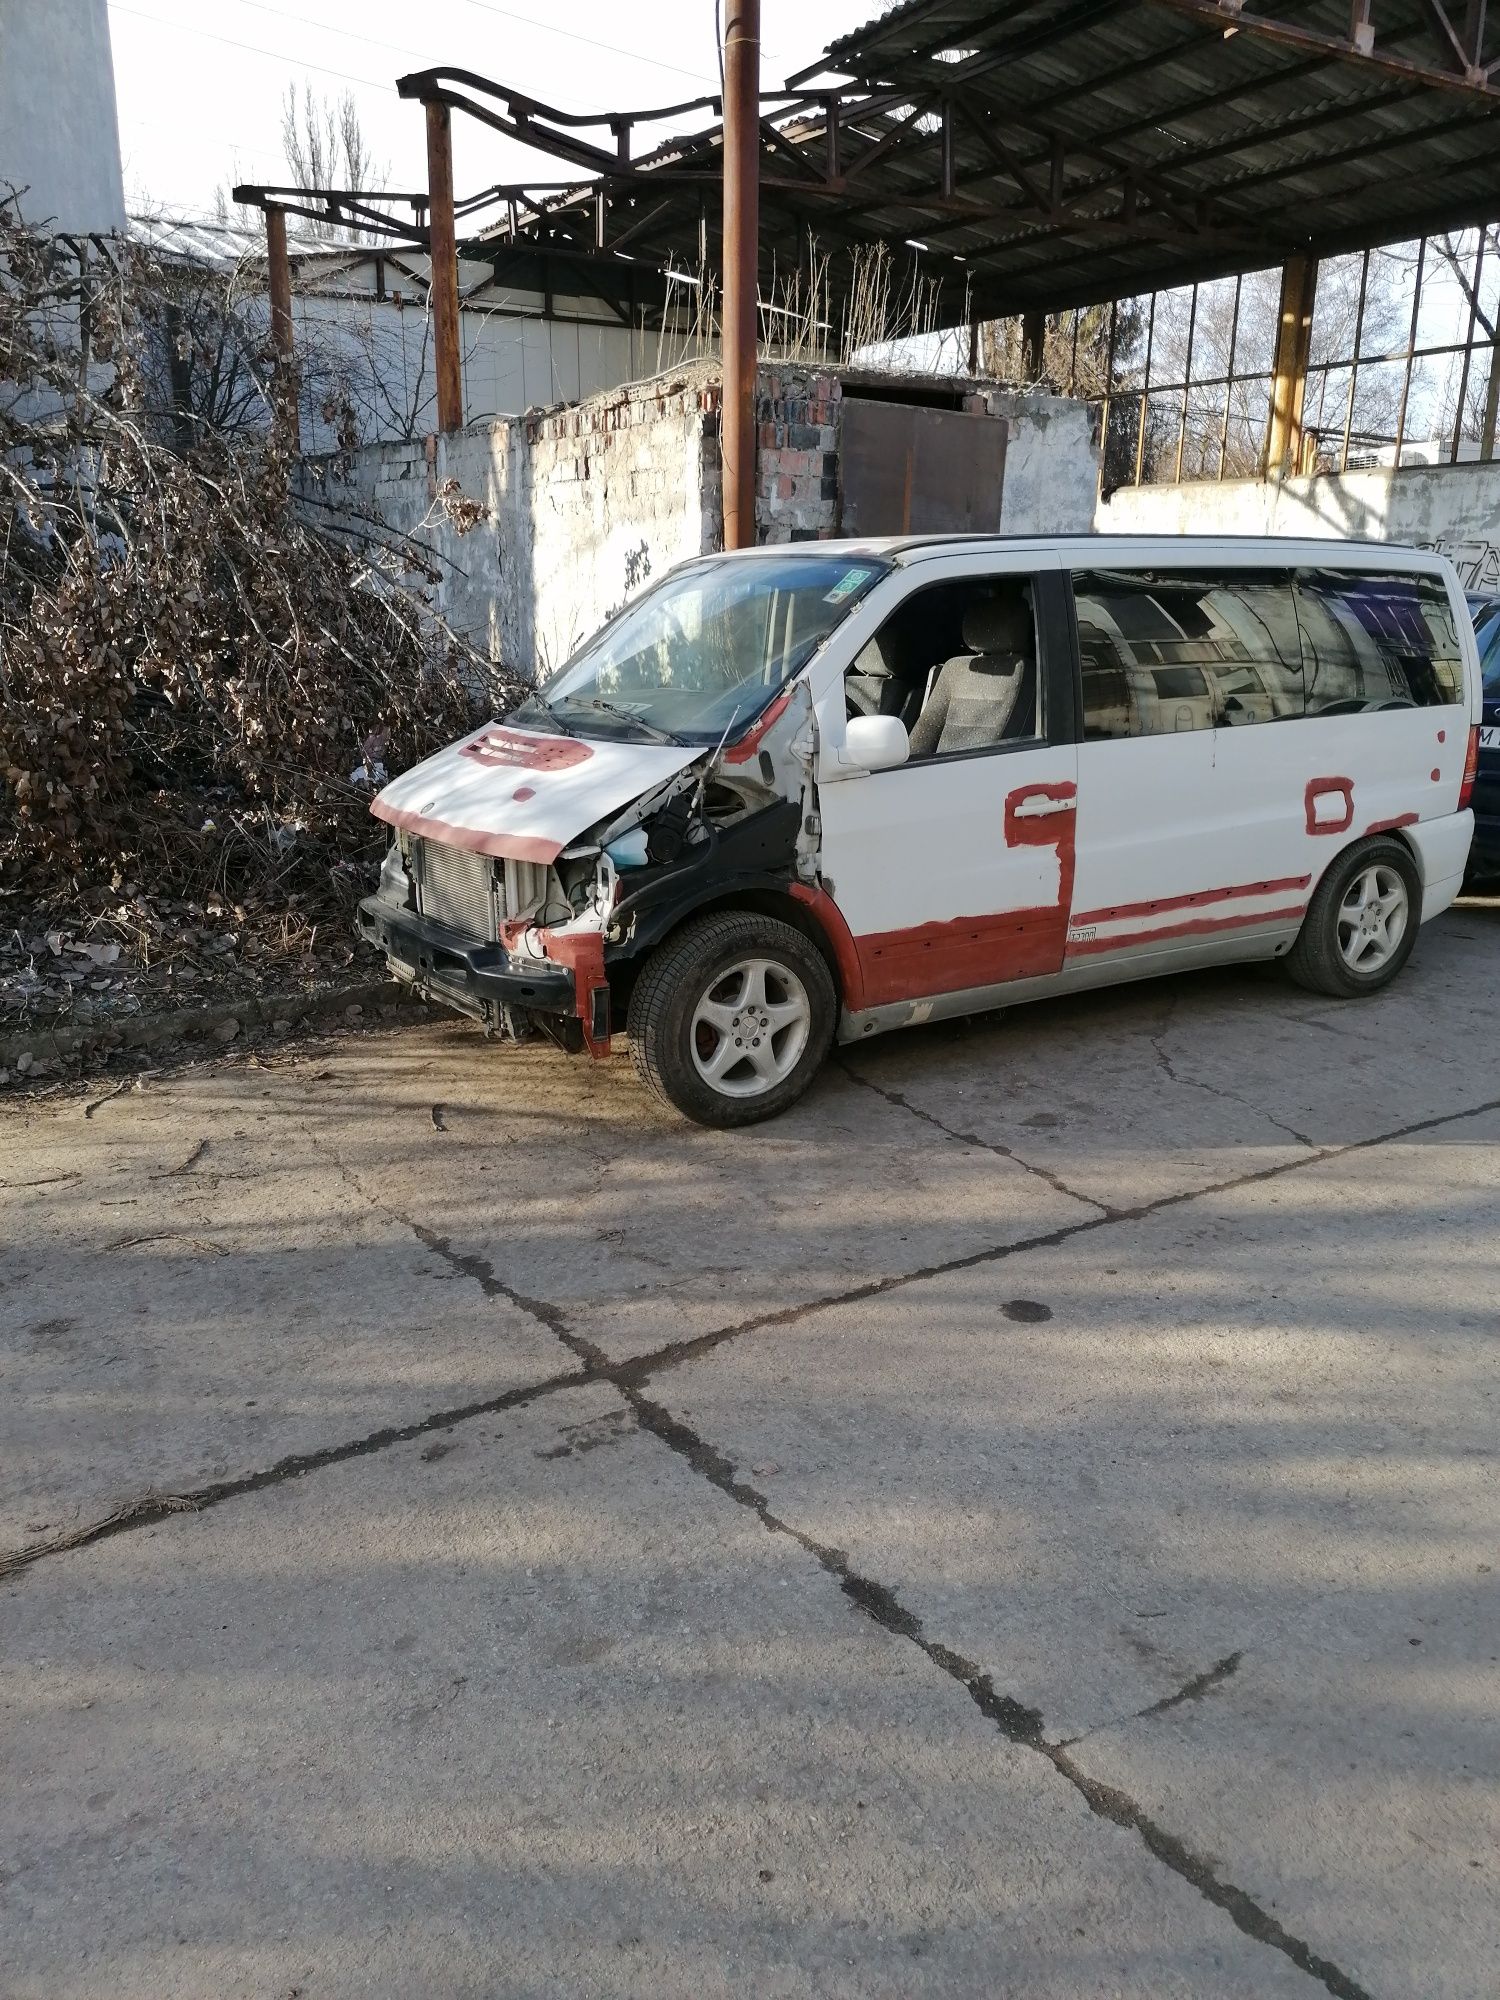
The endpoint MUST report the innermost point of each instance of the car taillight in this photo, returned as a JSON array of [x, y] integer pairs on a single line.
[[1471, 770]]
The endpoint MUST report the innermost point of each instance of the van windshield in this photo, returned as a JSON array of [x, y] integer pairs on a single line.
[[699, 655]]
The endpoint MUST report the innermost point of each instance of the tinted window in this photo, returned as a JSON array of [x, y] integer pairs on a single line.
[[1164, 651], [1375, 642], [1487, 631]]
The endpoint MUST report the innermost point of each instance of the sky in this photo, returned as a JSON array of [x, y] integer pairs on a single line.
[[201, 83]]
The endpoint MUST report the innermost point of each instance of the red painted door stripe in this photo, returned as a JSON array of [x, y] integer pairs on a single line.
[[1192, 901]]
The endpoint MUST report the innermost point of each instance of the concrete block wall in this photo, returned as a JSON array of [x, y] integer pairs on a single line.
[[616, 496], [585, 504], [1454, 508]]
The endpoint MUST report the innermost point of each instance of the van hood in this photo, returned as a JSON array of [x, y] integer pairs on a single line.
[[519, 793]]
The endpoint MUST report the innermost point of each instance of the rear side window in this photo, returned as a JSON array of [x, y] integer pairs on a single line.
[[1164, 651], [1487, 632], [1373, 642]]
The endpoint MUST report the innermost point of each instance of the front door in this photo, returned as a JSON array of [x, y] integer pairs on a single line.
[[953, 872]]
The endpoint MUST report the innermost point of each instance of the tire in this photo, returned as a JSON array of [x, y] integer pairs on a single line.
[[724, 983], [1332, 954]]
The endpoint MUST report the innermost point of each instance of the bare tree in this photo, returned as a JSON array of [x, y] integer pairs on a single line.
[[325, 147]]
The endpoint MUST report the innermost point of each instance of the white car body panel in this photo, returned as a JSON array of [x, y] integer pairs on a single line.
[[519, 793], [945, 885]]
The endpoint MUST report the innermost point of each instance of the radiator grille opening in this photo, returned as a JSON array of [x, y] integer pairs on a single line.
[[457, 888]]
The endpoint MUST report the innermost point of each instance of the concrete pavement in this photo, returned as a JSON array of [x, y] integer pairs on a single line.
[[1024, 1523]]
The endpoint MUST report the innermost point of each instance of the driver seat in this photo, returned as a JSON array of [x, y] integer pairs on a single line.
[[977, 695]]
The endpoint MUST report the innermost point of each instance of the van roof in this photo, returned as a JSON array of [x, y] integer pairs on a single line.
[[905, 549]]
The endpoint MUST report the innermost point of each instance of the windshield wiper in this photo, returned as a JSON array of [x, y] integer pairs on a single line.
[[638, 721], [535, 700]]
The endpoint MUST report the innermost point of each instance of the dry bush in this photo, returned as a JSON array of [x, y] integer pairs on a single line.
[[189, 669]]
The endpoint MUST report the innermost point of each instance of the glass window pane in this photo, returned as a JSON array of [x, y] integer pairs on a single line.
[[1260, 303], [1163, 652], [1377, 642], [1214, 331], [1388, 297]]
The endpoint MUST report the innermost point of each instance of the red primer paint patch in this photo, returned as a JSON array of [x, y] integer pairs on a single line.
[[524, 792], [993, 946], [1322, 788], [1190, 902], [1193, 927], [830, 920], [742, 751], [1442, 736], [1390, 825], [584, 951], [1436, 775], [499, 746], [510, 846]]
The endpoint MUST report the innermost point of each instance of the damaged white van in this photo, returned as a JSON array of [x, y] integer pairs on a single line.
[[803, 794]]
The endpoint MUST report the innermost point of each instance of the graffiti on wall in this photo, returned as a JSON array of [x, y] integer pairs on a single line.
[[1477, 563]]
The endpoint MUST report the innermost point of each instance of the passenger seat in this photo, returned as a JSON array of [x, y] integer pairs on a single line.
[[980, 694]]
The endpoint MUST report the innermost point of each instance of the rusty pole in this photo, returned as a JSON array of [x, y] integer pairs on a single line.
[[1299, 282], [280, 270], [741, 265], [442, 248]]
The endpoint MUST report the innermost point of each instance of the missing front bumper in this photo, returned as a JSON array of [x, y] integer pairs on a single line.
[[478, 979]]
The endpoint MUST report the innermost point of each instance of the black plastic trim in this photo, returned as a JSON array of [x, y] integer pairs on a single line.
[[432, 953]]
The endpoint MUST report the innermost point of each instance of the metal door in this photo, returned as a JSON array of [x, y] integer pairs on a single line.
[[909, 471]]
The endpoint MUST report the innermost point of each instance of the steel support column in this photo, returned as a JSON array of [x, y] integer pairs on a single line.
[[1033, 346], [741, 265], [1299, 281], [443, 250], [280, 275]]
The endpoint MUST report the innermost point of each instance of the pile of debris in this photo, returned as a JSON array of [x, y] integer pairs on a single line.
[[198, 688]]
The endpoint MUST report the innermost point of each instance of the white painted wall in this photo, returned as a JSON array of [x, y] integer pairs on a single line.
[[1051, 463], [59, 131], [1454, 508]]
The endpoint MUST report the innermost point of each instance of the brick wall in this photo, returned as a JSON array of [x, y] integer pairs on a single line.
[[797, 454]]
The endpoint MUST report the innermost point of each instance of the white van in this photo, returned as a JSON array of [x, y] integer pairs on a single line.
[[810, 793]]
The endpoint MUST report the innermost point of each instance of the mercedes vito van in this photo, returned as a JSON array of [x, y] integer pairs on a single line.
[[805, 794]]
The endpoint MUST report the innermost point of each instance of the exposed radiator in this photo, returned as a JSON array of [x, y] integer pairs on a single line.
[[458, 889]]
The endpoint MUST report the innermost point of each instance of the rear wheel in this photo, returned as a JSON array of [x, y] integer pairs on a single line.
[[1361, 923], [731, 1018]]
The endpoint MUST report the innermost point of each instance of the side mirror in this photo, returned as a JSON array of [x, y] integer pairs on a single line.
[[876, 742]]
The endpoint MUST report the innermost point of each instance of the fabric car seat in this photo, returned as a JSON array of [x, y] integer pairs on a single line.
[[982, 695]]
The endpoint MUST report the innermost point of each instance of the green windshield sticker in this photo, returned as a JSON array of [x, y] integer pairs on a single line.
[[850, 580]]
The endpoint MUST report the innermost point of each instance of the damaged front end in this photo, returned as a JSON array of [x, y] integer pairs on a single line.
[[551, 946]]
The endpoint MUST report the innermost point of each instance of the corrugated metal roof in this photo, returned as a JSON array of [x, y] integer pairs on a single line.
[[1094, 148]]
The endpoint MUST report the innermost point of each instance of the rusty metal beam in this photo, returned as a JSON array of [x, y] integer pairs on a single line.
[[1227, 16], [741, 266], [281, 324], [1299, 280], [443, 250]]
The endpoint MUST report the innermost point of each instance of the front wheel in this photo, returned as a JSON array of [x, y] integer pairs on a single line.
[[1361, 923], [731, 1018]]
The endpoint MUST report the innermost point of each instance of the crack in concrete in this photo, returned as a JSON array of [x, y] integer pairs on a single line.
[[629, 1375], [151, 1508], [895, 1097], [1227, 1096], [1021, 1725], [1192, 1689]]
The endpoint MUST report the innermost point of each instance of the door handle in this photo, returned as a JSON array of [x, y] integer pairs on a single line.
[[1038, 805]]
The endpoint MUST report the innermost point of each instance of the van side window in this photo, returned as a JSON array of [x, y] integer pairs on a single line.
[[1163, 651], [958, 663], [1374, 642]]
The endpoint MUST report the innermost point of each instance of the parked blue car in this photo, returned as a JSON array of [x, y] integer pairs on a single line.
[[1484, 856]]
